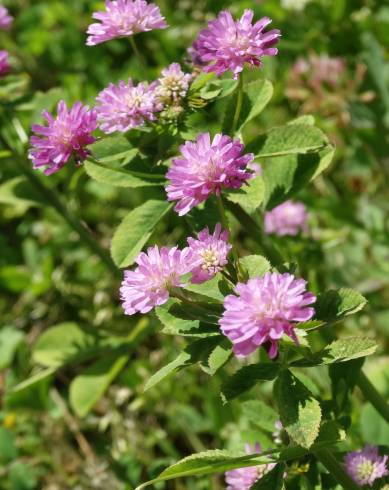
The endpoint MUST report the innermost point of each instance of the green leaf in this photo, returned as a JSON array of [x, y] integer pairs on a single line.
[[214, 289], [250, 196], [217, 358], [284, 176], [334, 304], [261, 414], [256, 265], [66, 342], [8, 448], [112, 148], [300, 413], [177, 320], [87, 388], [342, 350], [10, 339], [195, 352], [343, 380], [306, 119], [256, 95], [19, 192], [274, 480], [208, 462], [117, 176], [135, 230], [32, 392], [247, 377], [291, 139]]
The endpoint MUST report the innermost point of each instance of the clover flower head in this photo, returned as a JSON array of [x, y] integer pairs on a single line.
[[125, 106], [65, 136], [265, 309], [244, 478], [157, 271], [173, 85], [289, 218], [208, 253], [227, 44], [4, 63], [205, 167], [5, 19], [366, 466], [124, 18]]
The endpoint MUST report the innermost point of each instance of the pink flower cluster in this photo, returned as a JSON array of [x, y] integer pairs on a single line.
[[265, 309], [205, 167], [289, 218], [244, 478], [227, 44], [366, 466], [158, 271], [5, 19], [124, 18], [4, 63], [64, 137]]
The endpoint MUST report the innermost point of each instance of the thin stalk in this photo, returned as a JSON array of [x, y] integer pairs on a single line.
[[373, 396], [71, 220], [335, 469], [225, 223], [138, 56], [135, 173], [239, 104]]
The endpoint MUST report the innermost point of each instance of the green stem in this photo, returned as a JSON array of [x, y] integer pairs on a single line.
[[267, 248], [225, 224], [335, 469], [73, 222], [373, 396], [138, 56], [239, 103], [135, 173]]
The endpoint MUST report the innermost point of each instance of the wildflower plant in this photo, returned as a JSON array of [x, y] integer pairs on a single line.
[[237, 306]]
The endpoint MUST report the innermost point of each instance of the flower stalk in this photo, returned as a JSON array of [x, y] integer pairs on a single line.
[[373, 396], [239, 104], [327, 459]]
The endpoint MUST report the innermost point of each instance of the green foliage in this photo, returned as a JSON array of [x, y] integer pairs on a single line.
[[135, 230], [333, 305], [300, 413]]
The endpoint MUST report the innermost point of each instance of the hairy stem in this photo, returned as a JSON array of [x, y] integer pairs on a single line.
[[335, 469], [52, 198], [226, 226], [139, 57], [373, 396], [239, 103]]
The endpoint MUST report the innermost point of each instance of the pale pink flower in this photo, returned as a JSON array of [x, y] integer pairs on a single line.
[[208, 254], [124, 18], [125, 106], [157, 271], [65, 136], [289, 218], [173, 84], [244, 478], [4, 63], [265, 309], [227, 44], [205, 167], [366, 466], [5, 19]]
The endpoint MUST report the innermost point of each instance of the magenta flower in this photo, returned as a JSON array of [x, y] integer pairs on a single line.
[[125, 106], [208, 254], [227, 44], [173, 85], [148, 285], [206, 167], [66, 136], [124, 18], [244, 478], [5, 19], [366, 466], [289, 218], [264, 311], [4, 63]]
